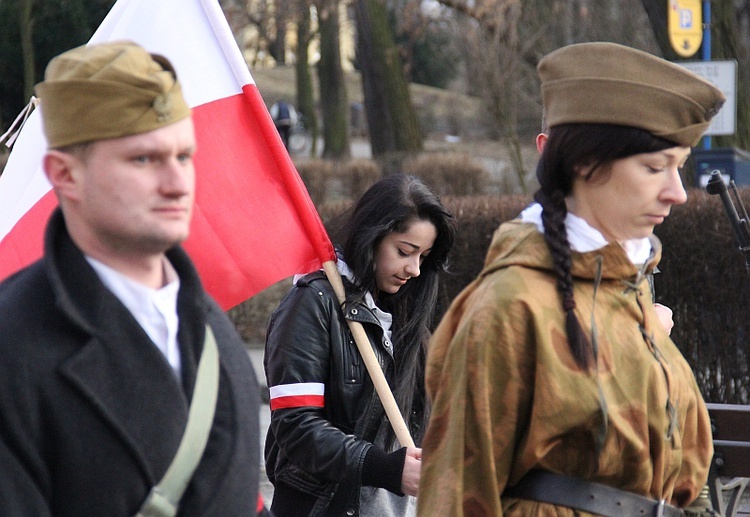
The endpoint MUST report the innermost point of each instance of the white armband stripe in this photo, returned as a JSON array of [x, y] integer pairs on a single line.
[[301, 388]]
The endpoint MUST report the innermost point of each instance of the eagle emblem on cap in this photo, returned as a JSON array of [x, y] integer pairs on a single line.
[[163, 106]]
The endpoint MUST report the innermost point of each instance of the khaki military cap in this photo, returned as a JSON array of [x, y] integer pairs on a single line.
[[108, 90], [606, 83]]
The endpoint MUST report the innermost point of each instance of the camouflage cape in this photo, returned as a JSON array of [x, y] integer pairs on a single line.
[[508, 397]]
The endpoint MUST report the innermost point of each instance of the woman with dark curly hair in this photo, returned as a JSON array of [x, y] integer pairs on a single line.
[[555, 390], [330, 450]]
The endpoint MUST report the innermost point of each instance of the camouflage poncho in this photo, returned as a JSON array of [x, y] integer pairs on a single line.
[[508, 397]]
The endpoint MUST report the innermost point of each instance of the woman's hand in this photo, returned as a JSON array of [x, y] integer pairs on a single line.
[[665, 316], [412, 471]]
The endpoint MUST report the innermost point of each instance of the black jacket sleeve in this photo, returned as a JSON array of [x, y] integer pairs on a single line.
[[303, 334]]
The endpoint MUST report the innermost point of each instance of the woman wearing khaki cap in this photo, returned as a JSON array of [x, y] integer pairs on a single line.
[[555, 391]]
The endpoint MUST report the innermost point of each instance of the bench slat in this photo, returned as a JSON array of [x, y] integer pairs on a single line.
[[732, 459], [730, 421], [730, 425]]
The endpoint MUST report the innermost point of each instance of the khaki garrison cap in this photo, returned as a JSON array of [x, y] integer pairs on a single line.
[[108, 90], [606, 83]]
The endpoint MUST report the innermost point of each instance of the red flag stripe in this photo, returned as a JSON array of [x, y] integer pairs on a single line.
[[296, 189], [247, 230], [25, 241]]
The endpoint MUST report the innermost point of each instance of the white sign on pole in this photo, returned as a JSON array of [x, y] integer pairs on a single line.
[[723, 75]]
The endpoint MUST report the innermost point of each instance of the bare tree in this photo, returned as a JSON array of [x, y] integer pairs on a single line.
[[391, 118], [305, 94], [274, 18], [728, 42], [499, 63], [502, 80], [283, 10], [243, 15]]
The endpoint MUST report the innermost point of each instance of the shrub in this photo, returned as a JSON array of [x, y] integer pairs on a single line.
[[704, 279], [328, 181], [315, 175], [449, 174], [357, 176], [251, 317]]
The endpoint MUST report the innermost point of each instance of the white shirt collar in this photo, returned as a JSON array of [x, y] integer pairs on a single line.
[[154, 309], [584, 238]]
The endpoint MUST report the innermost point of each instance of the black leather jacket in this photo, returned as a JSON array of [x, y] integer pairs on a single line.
[[316, 456]]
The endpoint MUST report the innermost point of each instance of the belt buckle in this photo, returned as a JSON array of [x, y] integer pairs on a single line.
[[660, 508]]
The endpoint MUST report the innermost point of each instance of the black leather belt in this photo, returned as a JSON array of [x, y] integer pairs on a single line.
[[546, 487]]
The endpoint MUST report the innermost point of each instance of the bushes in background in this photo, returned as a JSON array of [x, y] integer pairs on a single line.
[[449, 174], [703, 279], [330, 181]]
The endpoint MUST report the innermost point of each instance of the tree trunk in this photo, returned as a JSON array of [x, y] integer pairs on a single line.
[[391, 118], [727, 43], [305, 95], [503, 82], [333, 99], [283, 11], [278, 45], [26, 27], [656, 10]]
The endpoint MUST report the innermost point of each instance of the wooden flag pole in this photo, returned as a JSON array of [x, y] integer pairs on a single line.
[[371, 362]]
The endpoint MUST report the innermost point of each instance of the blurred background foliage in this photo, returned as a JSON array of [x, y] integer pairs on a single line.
[[447, 90], [481, 53], [703, 276]]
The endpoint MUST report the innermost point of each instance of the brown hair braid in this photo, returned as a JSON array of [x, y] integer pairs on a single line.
[[568, 148]]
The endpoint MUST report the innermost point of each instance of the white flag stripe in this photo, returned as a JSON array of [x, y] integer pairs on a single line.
[[228, 45], [203, 77], [23, 182], [301, 388]]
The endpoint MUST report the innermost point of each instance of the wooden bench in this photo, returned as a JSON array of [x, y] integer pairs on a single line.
[[730, 424]]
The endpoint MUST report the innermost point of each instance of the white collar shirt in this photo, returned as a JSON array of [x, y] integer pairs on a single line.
[[584, 238], [154, 309]]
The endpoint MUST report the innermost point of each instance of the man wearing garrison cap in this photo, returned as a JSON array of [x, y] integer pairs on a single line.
[[114, 357]]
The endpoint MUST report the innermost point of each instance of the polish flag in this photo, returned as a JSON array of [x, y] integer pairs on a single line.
[[254, 223]]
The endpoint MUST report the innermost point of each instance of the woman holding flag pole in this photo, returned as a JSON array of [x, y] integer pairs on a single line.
[[330, 448]]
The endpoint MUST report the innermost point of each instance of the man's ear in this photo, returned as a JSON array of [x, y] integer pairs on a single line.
[[59, 168], [541, 141]]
